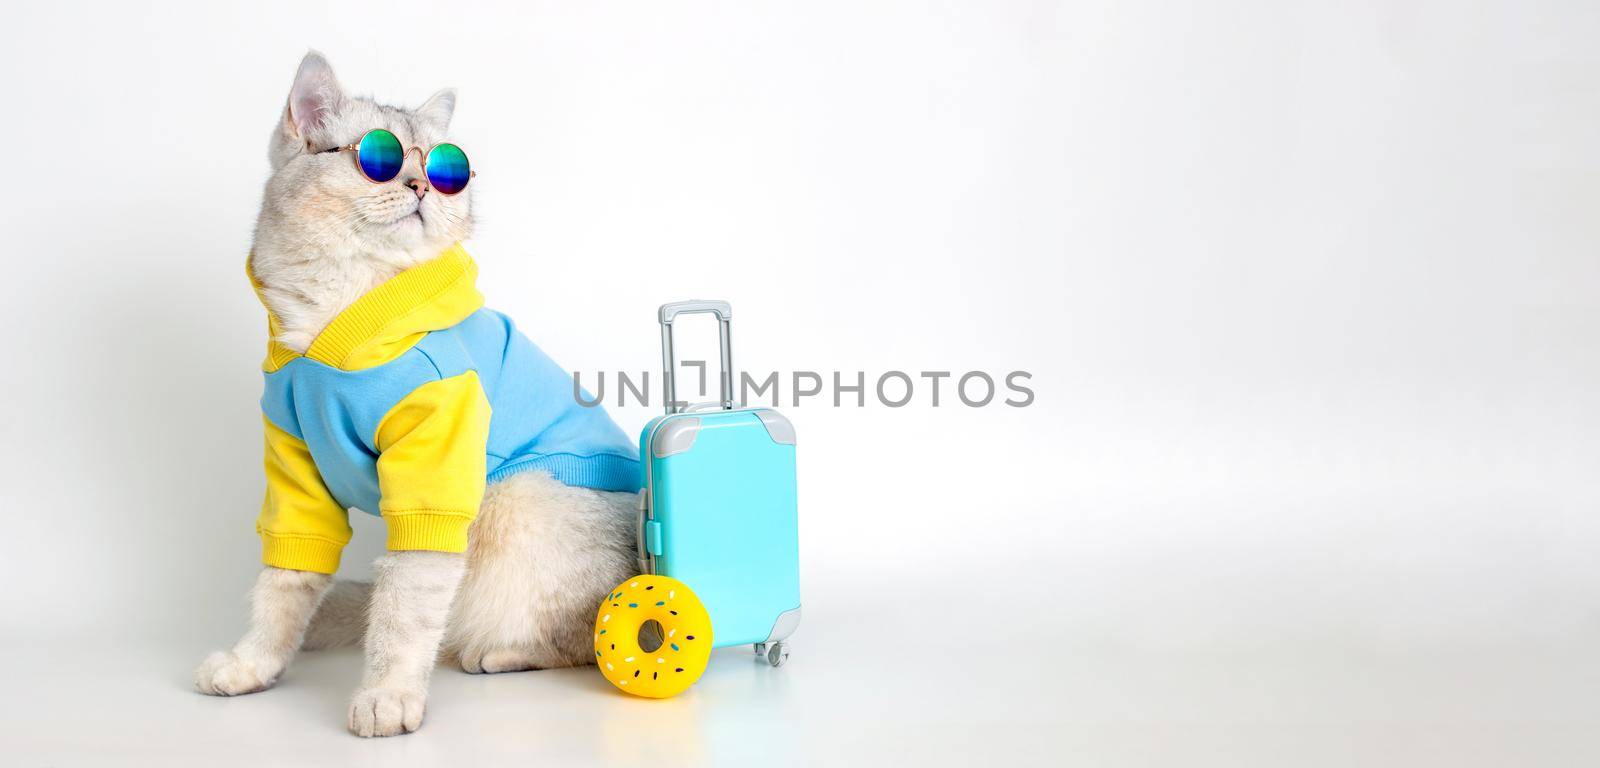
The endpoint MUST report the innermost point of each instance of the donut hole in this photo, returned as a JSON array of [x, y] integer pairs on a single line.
[[651, 636]]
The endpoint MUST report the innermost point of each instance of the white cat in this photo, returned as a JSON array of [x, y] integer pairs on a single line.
[[540, 554]]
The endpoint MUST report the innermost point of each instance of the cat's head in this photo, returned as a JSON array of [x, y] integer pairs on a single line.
[[318, 205]]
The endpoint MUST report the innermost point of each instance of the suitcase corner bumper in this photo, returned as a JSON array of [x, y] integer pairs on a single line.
[[785, 626]]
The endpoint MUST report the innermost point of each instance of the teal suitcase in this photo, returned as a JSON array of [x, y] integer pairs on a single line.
[[719, 510]]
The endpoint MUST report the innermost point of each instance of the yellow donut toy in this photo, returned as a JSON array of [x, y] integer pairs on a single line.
[[679, 651]]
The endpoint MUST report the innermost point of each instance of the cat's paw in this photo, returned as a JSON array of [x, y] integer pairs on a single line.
[[386, 712], [499, 660], [224, 673]]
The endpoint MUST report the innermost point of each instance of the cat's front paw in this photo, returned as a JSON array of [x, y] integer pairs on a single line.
[[224, 673], [386, 712]]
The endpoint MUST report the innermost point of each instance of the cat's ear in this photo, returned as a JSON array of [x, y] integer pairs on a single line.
[[315, 97], [439, 107]]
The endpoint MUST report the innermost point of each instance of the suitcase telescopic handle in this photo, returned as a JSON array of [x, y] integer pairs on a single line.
[[669, 363]]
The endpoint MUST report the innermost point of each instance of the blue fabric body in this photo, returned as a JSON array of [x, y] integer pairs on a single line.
[[536, 422]]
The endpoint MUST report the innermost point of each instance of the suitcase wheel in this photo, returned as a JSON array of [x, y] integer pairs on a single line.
[[776, 653]]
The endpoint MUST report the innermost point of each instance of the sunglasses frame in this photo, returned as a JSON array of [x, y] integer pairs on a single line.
[[406, 155]]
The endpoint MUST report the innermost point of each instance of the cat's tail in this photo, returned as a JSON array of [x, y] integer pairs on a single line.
[[341, 619]]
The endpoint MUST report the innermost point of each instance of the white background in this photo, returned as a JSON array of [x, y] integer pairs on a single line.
[[1308, 292]]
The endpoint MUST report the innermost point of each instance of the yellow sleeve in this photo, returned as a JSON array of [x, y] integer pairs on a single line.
[[301, 526], [431, 463]]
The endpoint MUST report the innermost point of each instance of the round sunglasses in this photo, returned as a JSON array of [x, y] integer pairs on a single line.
[[379, 156]]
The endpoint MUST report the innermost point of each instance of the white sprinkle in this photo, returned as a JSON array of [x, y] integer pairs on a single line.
[[671, 594], [622, 682], [608, 666], [629, 660], [605, 618], [660, 660], [635, 584], [670, 633]]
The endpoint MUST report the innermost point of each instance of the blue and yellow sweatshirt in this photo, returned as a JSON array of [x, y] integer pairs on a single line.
[[407, 405]]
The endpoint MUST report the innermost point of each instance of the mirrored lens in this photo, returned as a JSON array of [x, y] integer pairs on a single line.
[[448, 170], [380, 155]]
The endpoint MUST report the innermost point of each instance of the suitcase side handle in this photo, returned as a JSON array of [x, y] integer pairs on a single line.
[[669, 363]]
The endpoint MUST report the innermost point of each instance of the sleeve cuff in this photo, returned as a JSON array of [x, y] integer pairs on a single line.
[[300, 553], [434, 530]]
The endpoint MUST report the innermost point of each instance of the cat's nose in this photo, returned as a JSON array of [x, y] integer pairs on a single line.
[[418, 186]]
